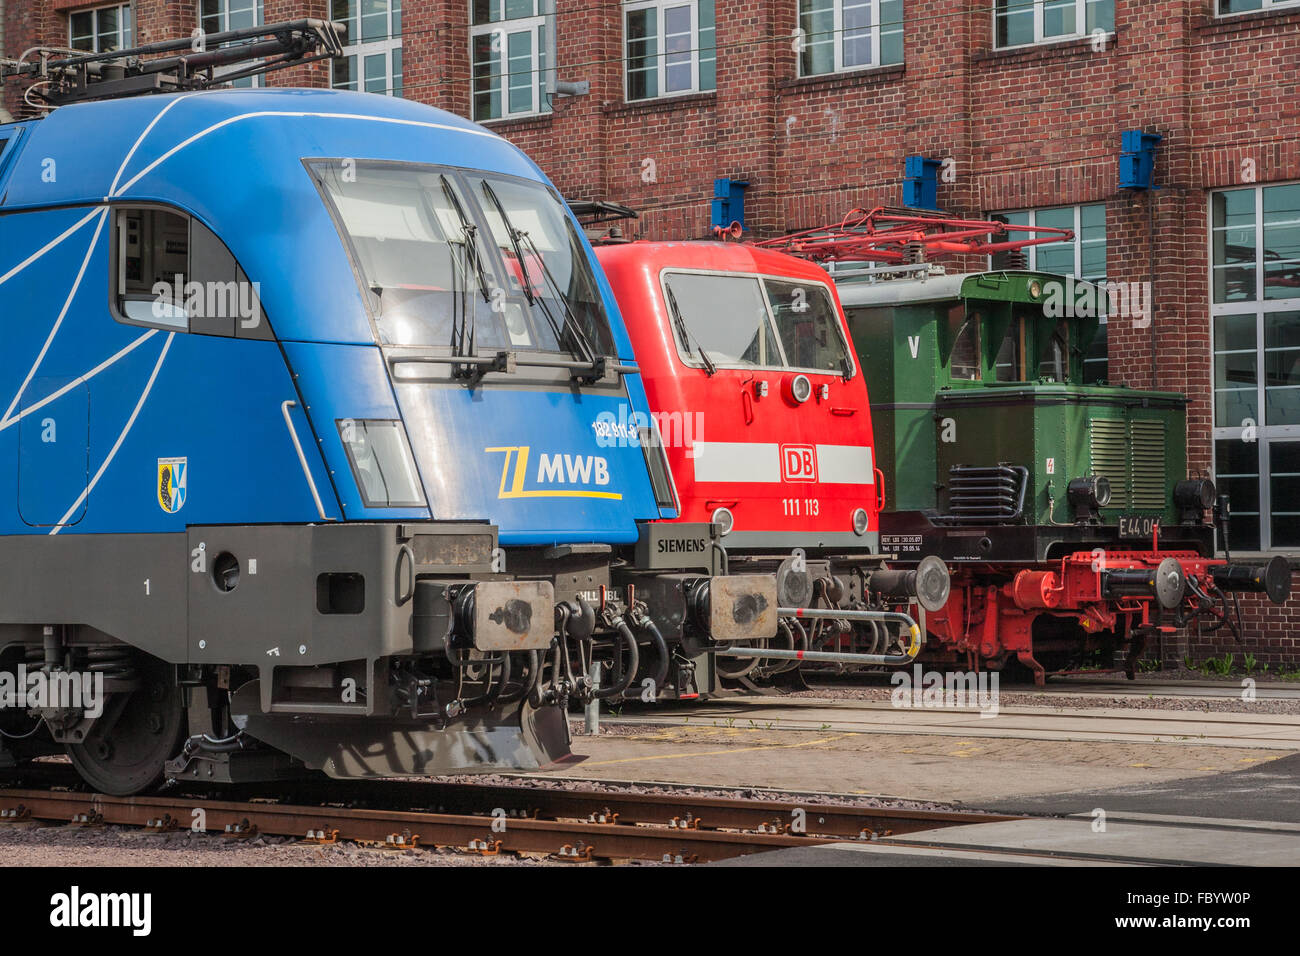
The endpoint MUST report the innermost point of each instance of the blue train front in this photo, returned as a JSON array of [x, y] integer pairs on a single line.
[[323, 448]]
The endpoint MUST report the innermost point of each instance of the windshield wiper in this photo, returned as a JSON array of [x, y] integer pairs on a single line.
[[470, 233], [464, 332], [514, 240], [680, 322], [571, 322], [582, 350]]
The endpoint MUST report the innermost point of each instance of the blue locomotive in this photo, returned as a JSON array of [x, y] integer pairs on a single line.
[[314, 416]]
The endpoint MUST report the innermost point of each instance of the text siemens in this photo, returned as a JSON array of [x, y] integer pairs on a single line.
[[680, 545]]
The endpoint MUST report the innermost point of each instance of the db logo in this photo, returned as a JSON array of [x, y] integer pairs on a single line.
[[799, 462]]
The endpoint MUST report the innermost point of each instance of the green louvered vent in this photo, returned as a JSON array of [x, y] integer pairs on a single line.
[[1108, 445], [1148, 459], [1132, 456]]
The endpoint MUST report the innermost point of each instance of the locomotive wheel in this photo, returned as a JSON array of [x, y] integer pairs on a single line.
[[138, 731]]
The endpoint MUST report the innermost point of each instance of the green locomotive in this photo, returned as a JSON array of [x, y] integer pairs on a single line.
[[1065, 510]]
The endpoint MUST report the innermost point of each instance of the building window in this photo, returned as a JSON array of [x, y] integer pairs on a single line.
[[670, 47], [1084, 258], [1022, 22], [508, 53], [838, 35], [101, 30], [372, 60], [1228, 7], [1255, 316], [217, 16]]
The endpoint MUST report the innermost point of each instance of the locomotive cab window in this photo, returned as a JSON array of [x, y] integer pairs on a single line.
[[171, 272], [745, 321], [1053, 351], [481, 263], [722, 317], [1009, 363], [808, 326], [964, 359]]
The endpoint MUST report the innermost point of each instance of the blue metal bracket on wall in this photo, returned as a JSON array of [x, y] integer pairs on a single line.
[[729, 202], [1137, 159], [921, 182]]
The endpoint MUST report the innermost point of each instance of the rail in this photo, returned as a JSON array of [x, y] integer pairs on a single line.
[[583, 826]]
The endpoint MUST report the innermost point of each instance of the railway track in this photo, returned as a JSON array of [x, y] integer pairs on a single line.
[[575, 826], [1268, 731], [1101, 685]]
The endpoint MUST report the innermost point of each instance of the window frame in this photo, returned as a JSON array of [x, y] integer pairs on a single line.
[[223, 17], [389, 46], [1081, 18], [125, 32], [1265, 434], [773, 329], [462, 177], [261, 330], [409, 463], [537, 26], [661, 54], [837, 43], [1267, 6]]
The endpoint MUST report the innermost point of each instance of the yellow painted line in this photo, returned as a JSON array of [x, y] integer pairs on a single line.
[[716, 753]]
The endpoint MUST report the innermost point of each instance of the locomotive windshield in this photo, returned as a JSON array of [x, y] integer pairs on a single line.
[[464, 259], [738, 320]]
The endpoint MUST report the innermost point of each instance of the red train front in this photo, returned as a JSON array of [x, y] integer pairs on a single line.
[[763, 411], [756, 392]]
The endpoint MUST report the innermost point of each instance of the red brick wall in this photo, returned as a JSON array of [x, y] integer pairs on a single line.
[[1027, 128]]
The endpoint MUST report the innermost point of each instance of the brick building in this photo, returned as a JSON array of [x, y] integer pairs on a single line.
[[816, 103]]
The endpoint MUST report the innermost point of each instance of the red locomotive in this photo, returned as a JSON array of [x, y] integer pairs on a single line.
[[763, 409]]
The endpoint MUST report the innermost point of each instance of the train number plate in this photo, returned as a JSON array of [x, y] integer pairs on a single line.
[[1138, 526]]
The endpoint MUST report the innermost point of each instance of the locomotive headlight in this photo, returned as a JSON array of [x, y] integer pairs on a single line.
[[1086, 495], [800, 389], [381, 461], [1035, 289], [1192, 497], [860, 521], [724, 519]]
